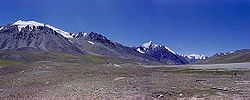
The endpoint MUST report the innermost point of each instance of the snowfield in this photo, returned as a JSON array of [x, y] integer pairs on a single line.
[[21, 24]]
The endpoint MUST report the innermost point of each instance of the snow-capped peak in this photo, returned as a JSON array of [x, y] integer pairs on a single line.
[[194, 56], [150, 44], [21, 24], [147, 45]]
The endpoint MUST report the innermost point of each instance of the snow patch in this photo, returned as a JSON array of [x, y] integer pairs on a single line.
[[91, 42], [21, 24], [1, 28], [170, 50], [65, 34], [139, 50], [85, 34]]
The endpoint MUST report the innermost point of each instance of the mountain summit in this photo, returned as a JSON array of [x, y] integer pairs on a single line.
[[150, 45], [161, 53], [31, 24]]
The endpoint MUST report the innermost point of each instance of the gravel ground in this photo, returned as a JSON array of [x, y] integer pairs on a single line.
[[54, 80]]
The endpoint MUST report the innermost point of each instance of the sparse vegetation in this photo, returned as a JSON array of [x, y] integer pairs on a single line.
[[68, 75], [29, 57], [4, 63]]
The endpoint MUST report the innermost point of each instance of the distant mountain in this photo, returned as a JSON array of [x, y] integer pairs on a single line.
[[31, 35], [161, 53], [193, 58], [228, 57]]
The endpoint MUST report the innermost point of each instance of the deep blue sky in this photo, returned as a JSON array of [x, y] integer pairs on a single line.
[[185, 26]]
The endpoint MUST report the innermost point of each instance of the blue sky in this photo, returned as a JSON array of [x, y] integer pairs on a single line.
[[185, 26]]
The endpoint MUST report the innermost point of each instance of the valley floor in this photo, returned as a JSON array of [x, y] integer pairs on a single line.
[[57, 80]]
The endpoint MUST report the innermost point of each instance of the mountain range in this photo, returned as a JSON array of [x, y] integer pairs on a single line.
[[193, 58], [34, 36], [237, 56]]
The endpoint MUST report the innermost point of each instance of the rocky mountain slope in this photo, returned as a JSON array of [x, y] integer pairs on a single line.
[[98, 44], [31, 35]]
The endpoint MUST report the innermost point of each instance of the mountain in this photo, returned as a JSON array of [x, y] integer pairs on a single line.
[[193, 58], [34, 36], [161, 53], [228, 57], [96, 43]]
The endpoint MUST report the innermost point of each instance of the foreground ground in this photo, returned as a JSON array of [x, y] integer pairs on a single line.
[[57, 80]]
